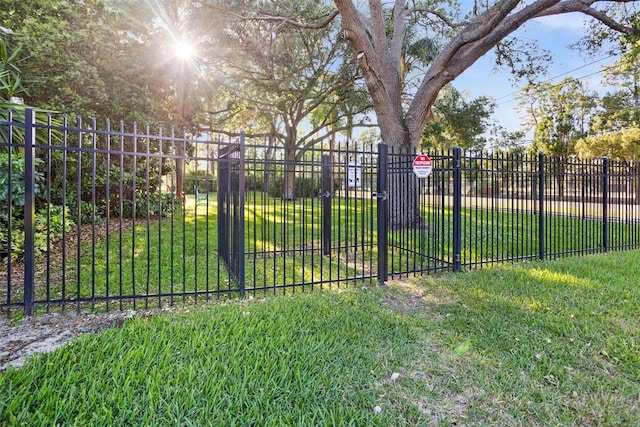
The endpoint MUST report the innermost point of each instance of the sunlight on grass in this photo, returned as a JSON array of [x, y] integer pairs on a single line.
[[524, 344], [548, 346], [561, 278], [284, 248]]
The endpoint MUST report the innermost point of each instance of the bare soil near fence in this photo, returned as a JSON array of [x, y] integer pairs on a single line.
[[32, 335]]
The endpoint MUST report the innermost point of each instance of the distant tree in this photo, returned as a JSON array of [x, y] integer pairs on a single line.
[[623, 146], [560, 114], [620, 108], [620, 145], [298, 87], [500, 139], [615, 131], [457, 122]]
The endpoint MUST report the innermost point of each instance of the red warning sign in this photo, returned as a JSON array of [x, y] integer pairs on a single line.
[[422, 166]]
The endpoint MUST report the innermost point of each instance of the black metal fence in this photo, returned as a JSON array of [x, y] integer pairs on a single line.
[[91, 219], [480, 209], [310, 220], [92, 216]]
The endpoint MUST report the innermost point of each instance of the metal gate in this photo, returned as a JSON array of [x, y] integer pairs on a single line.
[[334, 224], [231, 193], [310, 220], [420, 215]]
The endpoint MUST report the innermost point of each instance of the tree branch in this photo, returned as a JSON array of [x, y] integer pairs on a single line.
[[584, 6], [399, 32], [283, 19], [430, 11]]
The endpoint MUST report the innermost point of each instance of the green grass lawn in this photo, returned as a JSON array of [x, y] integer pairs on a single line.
[[175, 259], [535, 344]]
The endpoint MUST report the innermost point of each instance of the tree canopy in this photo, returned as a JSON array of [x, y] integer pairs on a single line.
[[113, 58], [377, 33], [560, 114], [457, 122], [570, 120], [86, 57]]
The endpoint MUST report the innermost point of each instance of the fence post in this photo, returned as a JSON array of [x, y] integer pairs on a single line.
[[541, 242], [326, 204], [223, 203], [605, 204], [29, 209], [457, 209], [381, 196], [240, 224]]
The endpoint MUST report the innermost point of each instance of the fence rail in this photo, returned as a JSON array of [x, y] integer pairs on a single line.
[[95, 217]]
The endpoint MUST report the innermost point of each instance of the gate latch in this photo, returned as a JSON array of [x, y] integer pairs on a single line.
[[326, 195], [381, 195]]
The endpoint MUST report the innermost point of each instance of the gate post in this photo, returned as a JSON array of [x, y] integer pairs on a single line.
[[29, 208], [240, 217], [457, 209], [541, 178], [381, 196], [326, 204], [605, 204]]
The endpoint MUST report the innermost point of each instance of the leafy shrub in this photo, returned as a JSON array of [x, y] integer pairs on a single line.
[[88, 211], [157, 205], [17, 184], [49, 221], [254, 182], [206, 182], [303, 186], [49, 224]]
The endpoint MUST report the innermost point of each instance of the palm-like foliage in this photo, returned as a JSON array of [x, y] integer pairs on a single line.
[[12, 110]]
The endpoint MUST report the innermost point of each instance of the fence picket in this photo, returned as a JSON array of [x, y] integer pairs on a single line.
[[29, 210]]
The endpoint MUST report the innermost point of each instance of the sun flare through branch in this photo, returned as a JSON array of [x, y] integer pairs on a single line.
[[184, 50]]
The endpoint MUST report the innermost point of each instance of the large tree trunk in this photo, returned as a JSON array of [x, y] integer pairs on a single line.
[[268, 160], [559, 172], [378, 40], [402, 189], [180, 151], [288, 186], [379, 59]]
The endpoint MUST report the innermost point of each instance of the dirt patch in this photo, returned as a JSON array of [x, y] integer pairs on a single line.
[[411, 298], [44, 334]]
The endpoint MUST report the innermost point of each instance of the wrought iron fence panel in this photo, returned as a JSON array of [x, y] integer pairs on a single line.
[[101, 216]]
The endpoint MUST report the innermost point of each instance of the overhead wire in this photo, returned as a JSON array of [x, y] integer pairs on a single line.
[[516, 95]]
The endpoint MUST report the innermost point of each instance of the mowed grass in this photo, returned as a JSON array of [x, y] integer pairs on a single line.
[[175, 259], [536, 344]]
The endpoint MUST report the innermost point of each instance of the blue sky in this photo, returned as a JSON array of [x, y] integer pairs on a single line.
[[554, 33]]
